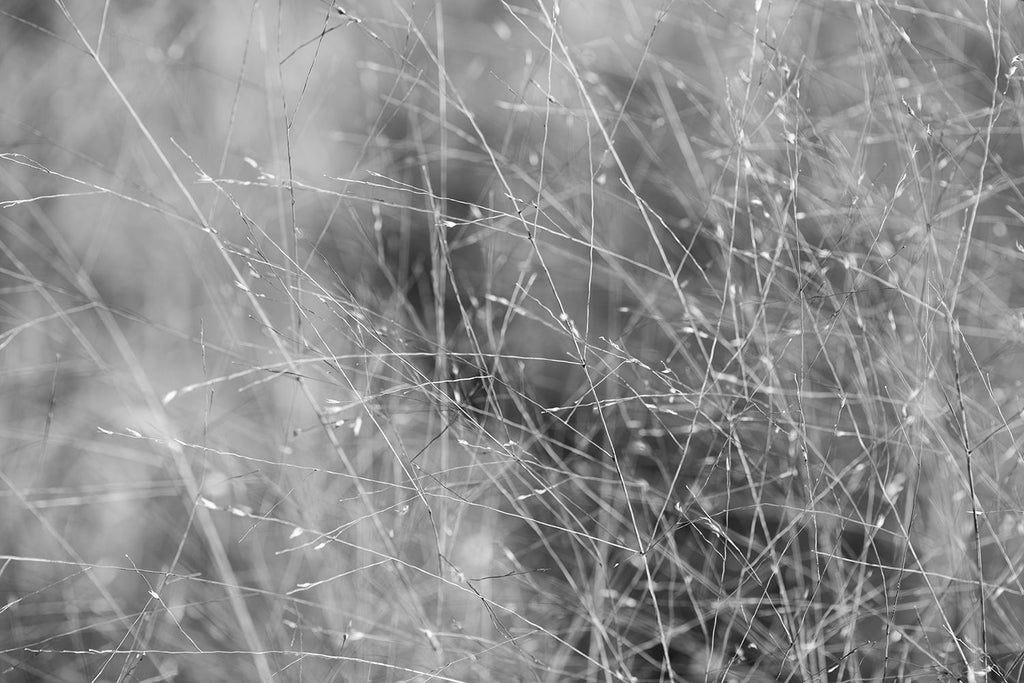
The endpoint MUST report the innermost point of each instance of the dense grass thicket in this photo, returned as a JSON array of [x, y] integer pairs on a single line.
[[548, 340]]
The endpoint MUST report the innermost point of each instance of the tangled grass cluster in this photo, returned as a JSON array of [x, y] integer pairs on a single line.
[[625, 340]]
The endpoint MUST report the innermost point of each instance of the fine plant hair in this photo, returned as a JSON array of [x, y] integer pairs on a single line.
[[624, 340]]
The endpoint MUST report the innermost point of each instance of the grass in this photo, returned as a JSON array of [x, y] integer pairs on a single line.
[[467, 341]]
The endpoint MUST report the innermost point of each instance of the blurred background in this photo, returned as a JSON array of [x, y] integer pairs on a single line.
[[467, 340]]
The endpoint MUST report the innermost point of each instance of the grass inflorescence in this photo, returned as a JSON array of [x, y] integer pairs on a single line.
[[625, 340]]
